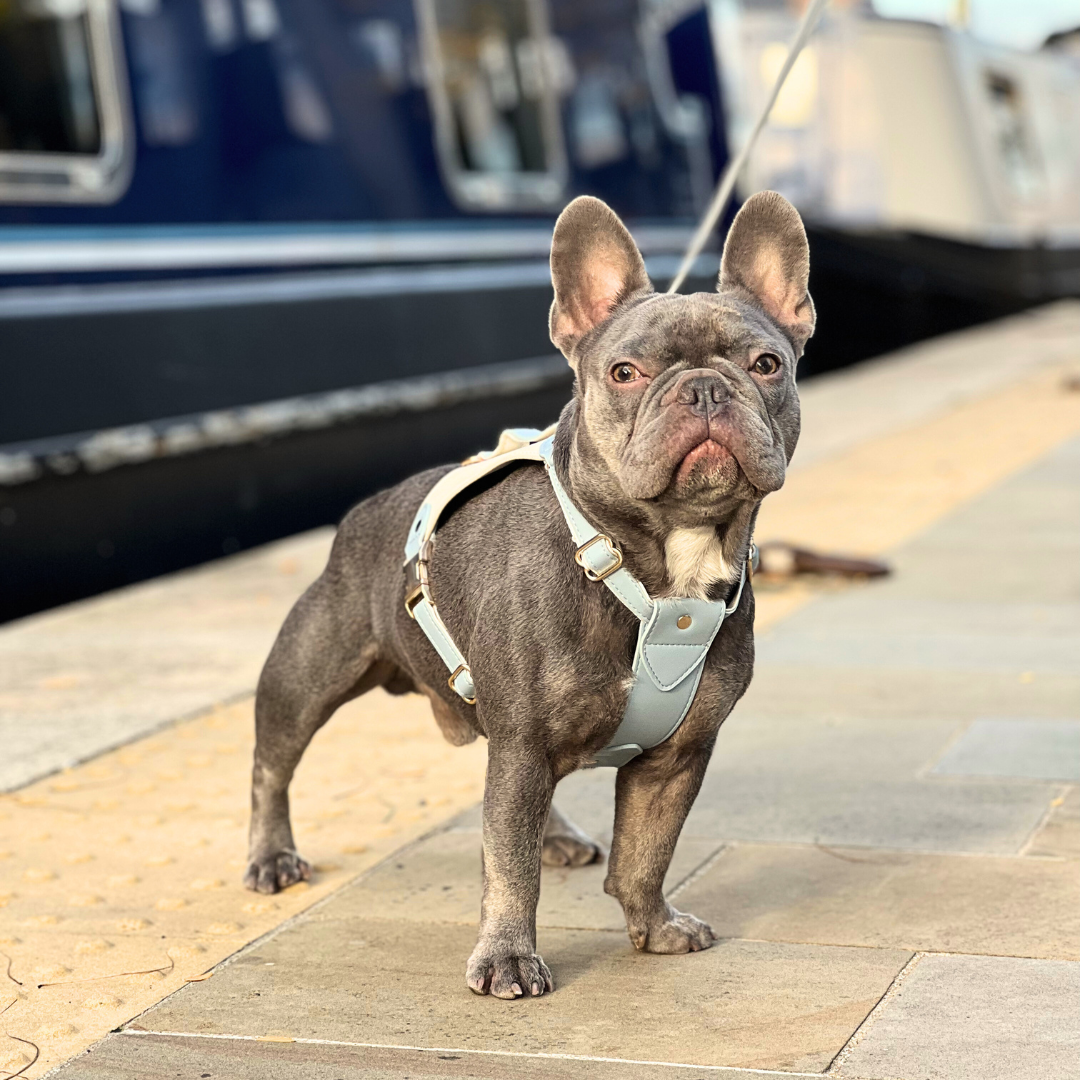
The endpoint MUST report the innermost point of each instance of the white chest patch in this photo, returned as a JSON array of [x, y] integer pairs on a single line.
[[695, 560]]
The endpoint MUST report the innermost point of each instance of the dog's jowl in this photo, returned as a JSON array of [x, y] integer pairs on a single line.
[[684, 417]]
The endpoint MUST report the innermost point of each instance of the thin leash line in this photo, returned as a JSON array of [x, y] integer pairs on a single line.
[[727, 182], [463, 1050]]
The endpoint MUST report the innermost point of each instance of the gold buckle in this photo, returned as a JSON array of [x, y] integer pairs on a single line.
[[417, 583], [751, 561], [591, 574], [412, 599], [450, 682]]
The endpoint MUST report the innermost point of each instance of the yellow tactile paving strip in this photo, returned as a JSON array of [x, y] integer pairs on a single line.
[[131, 863]]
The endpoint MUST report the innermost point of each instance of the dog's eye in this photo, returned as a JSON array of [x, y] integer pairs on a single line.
[[625, 373], [766, 364]]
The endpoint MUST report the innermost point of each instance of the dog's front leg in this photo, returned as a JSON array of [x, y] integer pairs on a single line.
[[653, 795], [516, 803]]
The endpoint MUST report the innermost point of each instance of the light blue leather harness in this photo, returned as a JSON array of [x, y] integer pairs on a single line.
[[675, 632]]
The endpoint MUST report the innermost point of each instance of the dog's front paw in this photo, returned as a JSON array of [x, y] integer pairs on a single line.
[[275, 871], [504, 975], [571, 850], [678, 933]]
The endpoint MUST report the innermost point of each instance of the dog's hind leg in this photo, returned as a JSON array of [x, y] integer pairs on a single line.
[[565, 844], [321, 659]]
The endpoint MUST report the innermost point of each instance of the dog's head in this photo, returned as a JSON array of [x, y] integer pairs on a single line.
[[687, 403]]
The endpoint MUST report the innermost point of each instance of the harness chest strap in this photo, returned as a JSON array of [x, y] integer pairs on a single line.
[[673, 639]]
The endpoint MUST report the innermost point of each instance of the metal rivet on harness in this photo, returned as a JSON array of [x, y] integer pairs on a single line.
[[684, 622]]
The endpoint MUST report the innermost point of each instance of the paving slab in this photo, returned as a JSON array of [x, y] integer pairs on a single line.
[[94, 675], [855, 896], [972, 552], [136, 1056], [439, 880], [895, 693], [1059, 835], [851, 781], [1038, 749], [839, 780], [975, 1018], [960, 599], [959, 595], [893, 488], [906, 387], [870, 629], [742, 1003], [121, 878]]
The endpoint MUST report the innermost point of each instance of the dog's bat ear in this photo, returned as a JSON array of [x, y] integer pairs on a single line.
[[767, 256], [595, 265]]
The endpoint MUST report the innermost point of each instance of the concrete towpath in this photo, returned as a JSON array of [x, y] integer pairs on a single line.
[[887, 842]]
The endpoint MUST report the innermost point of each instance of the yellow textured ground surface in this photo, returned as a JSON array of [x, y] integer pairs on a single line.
[[132, 862], [875, 496], [120, 879]]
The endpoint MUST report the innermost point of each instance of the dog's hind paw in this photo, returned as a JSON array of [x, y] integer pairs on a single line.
[[508, 976], [571, 851], [679, 933], [276, 871]]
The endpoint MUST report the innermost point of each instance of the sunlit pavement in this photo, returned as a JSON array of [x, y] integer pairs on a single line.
[[887, 842]]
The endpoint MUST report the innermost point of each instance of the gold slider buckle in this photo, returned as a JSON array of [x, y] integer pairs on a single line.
[[450, 682], [612, 547], [417, 584], [412, 599], [752, 560]]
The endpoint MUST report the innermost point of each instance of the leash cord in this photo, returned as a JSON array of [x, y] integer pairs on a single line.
[[724, 189]]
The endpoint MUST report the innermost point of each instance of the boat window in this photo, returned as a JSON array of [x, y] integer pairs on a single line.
[[64, 133], [1012, 135], [495, 76]]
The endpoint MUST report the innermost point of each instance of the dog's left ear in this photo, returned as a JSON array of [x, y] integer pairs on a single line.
[[766, 255], [595, 265]]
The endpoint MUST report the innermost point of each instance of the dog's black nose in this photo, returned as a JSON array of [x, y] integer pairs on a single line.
[[702, 392]]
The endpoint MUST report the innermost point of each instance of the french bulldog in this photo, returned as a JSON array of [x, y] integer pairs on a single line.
[[684, 417]]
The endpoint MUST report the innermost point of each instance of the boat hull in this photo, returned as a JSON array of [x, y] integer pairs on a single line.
[[373, 377]]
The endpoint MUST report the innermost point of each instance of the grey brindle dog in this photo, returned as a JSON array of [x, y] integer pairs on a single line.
[[684, 416]]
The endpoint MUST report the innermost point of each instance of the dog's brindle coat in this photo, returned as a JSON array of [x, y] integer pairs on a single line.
[[684, 416]]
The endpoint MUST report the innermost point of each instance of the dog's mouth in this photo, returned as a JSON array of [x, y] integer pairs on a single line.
[[705, 460], [701, 461]]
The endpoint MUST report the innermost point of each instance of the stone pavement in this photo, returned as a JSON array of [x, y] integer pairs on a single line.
[[888, 839], [895, 897]]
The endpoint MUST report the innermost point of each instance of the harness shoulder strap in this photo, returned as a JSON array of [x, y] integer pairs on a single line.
[[419, 602], [463, 477], [597, 554]]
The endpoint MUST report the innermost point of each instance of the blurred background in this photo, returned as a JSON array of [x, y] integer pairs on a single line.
[[259, 258]]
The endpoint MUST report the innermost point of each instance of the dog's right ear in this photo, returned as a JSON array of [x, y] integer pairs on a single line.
[[595, 265]]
